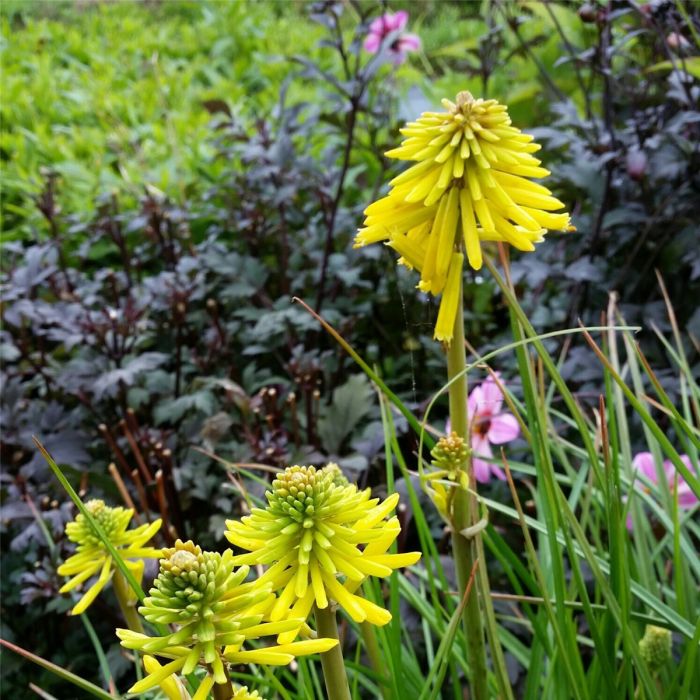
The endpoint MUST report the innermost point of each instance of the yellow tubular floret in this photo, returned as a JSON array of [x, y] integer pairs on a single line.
[[447, 314], [170, 685]]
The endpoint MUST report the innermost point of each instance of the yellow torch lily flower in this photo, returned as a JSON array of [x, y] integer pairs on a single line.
[[214, 613], [470, 184], [317, 529], [92, 557]]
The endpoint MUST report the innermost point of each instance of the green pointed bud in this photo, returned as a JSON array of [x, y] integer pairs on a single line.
[[655, 647]]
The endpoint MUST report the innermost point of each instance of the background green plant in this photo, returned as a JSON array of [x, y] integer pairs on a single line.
[[168, 175]]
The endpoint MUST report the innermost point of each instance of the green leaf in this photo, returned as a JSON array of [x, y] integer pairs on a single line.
[[352, 401], [61, 672], [689, 65]]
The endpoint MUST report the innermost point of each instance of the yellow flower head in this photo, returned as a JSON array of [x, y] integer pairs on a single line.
[[310, 535], [92, 556], [214, 613], [471, 175]]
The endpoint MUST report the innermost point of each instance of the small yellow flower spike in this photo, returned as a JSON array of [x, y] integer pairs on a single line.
[[92, 557], [310, 534], [450, 456], [470, 185], [214, 612]]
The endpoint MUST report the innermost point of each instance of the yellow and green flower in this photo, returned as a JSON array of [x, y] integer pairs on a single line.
[[214, 612], [321, 537], [470, 184], [92, 556]]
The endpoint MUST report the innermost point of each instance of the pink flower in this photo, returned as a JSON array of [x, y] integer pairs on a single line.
[[644, 462], [489, 425], [387, 24]]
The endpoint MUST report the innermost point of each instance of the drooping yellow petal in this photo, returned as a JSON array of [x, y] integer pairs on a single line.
[[170, 685], [156, 677], [444, 328], [430, 260], [471, 237], [447, 237], [205, 686], [373, 613], [308, 646], [80, 578], [94, 590]]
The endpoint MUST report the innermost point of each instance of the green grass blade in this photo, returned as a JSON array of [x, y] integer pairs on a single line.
[[59, 671]]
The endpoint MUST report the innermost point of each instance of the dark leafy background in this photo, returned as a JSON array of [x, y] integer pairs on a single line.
[[152, 327]]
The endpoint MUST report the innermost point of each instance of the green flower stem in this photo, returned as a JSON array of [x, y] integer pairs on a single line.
[[369, 637], [332, 661], [465, 511], [127, 602]]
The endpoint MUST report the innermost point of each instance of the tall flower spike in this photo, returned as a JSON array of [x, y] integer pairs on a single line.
[[214, 612], [92, 556], [470, 184], [310, 535]]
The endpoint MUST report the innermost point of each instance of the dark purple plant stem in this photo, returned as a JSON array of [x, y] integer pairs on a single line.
[[328, 247]]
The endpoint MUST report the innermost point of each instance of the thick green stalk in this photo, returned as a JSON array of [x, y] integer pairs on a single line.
[[127, 602], [332, 661], [465, 513], [369, 637]]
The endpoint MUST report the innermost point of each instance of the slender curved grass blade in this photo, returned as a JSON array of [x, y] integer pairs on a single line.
[[59, 671]]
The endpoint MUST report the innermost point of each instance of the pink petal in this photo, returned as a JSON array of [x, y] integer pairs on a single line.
[[409, 42], [628, 523], [686, 460], [480, 445], [400, 19], [482, 470], [504, 428], [493, 397], [475, 402], [644, 462], [686, 498], [377, 26], [372, 43], [670, 468]]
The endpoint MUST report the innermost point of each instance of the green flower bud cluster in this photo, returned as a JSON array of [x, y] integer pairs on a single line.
[[300, 492], [202, 594], [450, 454], [655, 647], [191, 583]]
